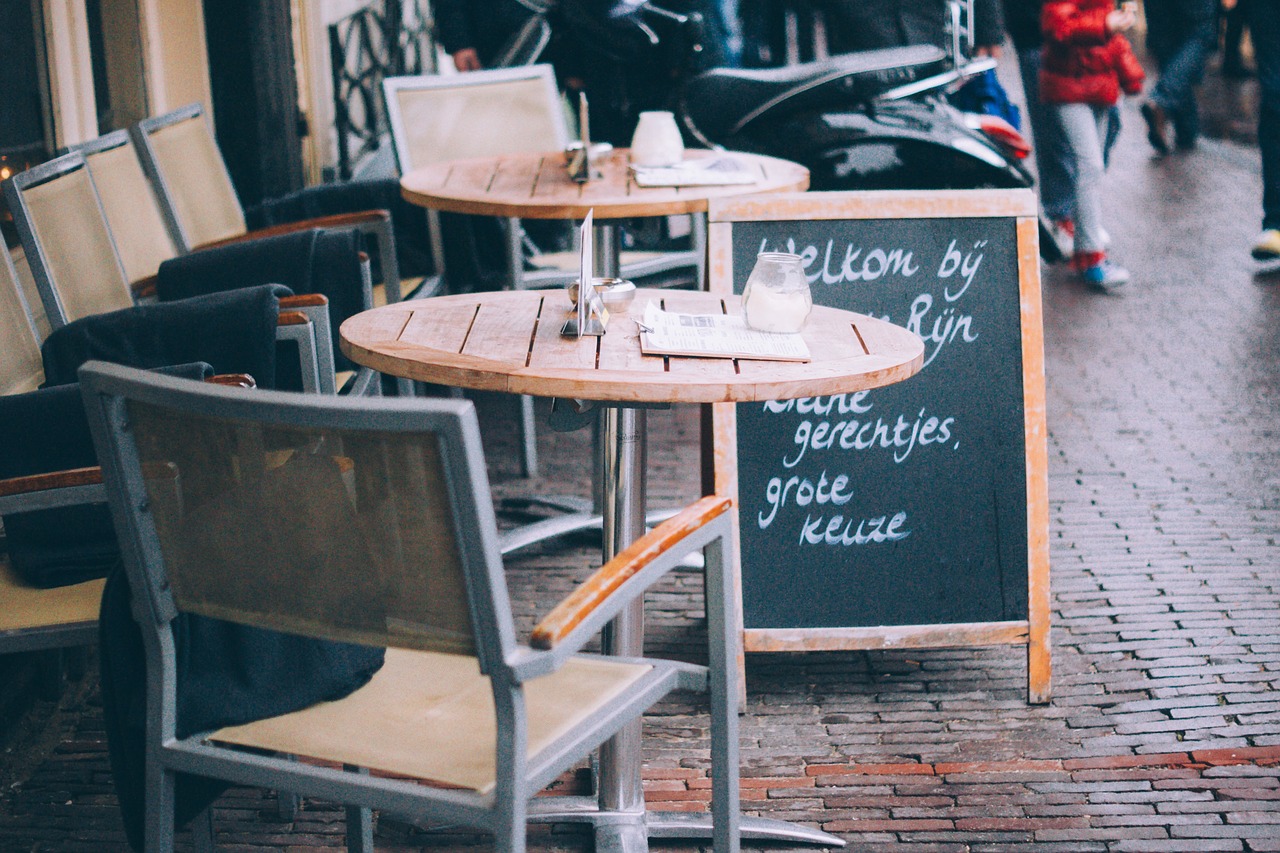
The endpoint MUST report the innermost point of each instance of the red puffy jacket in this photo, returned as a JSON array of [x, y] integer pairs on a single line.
[[1083, 63]]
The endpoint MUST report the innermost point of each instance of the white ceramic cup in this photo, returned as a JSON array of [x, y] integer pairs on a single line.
[[657, 140]]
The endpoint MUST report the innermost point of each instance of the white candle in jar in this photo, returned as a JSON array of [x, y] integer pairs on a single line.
[[777, 311], [776, 297]]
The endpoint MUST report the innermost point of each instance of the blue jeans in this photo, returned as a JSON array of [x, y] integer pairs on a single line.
[[1054, 165], [1264, 30], [1084, 131], [1181, 34]]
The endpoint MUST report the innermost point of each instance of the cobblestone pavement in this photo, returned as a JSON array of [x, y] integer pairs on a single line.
[[1164, 729]]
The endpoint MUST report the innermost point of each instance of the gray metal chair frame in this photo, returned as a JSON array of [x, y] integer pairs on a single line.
[[130, 410], [312, 339]]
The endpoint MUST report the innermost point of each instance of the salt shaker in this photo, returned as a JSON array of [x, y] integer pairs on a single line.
[[776, 297], [656, 141]]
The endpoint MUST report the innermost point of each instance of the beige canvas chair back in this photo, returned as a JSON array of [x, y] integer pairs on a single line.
[[20, 367], [479, 114], [133, 211], [67, 241], [193, 176], [347, 534]]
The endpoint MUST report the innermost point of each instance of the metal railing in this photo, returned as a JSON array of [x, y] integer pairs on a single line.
[[386, 38]]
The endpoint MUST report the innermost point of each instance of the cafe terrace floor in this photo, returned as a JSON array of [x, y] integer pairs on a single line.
[[1163, 733]]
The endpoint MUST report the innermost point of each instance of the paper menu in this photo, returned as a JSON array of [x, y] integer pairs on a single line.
[[703, 171], [714, 336]]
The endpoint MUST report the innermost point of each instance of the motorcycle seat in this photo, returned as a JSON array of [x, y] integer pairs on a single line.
[[723, 101]]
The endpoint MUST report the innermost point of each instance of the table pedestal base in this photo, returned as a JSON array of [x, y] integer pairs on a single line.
[[629, 831]]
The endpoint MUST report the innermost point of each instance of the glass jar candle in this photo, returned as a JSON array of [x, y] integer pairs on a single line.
[[776, 297]]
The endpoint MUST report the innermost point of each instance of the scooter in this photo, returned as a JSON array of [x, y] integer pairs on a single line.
[[869, 120]]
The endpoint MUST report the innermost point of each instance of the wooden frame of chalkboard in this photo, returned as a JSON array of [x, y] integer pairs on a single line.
[[913, 516]]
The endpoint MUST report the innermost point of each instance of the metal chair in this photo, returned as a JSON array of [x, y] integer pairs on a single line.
[[463, 723], [78, 272], [144, 242], [434, 118], [181, 159], [41, 618], [34, 619]]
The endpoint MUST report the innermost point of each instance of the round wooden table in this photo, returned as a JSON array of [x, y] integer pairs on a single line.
[[538, 186], [510, 341]]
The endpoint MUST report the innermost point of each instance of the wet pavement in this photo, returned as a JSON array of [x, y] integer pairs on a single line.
[[1164, 483]]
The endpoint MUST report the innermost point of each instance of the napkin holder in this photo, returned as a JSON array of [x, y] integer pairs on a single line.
[[579, 153]]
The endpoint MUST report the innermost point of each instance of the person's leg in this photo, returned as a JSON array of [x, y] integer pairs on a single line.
[[1080, 129], [1235, 21], [1182, 68], [1053, 162], [1084, 128], [1264, 30]]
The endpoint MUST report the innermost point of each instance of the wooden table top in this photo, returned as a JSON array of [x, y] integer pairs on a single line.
[[537, 186], [510, 341]]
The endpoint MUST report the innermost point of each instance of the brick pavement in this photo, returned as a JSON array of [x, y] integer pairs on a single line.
[[1164, 731]]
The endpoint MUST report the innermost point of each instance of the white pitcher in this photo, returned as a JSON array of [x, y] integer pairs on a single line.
[[656, 141]]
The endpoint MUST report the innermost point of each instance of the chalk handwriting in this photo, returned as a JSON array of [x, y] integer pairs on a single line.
[[841, 531], [840, 403], [947, 326], [967, 265], [902, 436], [855, 266], [802, 491]]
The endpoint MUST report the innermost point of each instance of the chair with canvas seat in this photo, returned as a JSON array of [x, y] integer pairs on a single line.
[[435, 118], [47, 603], [32, 618], [181, 159], [463, 723], [78, 272]]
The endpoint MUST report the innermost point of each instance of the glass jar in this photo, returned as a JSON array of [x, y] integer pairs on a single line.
[[776, 297]]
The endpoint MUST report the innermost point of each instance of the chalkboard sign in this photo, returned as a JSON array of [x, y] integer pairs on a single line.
[[914, 514]]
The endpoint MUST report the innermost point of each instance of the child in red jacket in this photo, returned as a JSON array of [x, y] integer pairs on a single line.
[[1085, 65]]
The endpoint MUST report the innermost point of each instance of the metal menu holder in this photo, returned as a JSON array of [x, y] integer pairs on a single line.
[[580, 159], [591, 316]]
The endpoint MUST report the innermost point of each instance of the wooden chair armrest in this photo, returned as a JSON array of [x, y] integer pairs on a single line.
[[336, 220], [609, 578], [144, 288], [233, 380], [52, 480], [292, 318], [302, 300]]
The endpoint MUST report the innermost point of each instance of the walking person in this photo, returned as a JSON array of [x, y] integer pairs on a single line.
[[1181, 34], [1086, 64], [1053, 160], [1264, 31]]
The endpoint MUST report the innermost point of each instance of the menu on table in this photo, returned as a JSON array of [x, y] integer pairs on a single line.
[[714, 336]]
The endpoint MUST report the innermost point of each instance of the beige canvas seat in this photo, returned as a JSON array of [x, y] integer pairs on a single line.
[[464, 723], [130, 205]]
